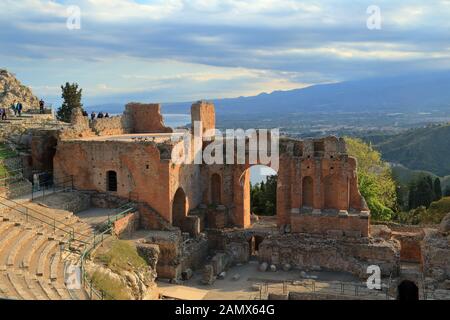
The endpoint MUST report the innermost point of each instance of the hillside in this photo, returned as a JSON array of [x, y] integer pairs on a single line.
[[425, 149], [12, 90]]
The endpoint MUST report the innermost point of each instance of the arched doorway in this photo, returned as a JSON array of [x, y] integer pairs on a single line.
[[179, 209], [216, 189], [111, 181], [263, 190], [247, 181], [307, 192], [408, 291]]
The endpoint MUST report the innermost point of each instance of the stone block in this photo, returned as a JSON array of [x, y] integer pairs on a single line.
[[353, 233], [263, 267], [208, 275], [149, 252], [287, 267], [335, 234]]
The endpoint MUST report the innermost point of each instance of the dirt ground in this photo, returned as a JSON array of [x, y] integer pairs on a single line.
[[241, 289]]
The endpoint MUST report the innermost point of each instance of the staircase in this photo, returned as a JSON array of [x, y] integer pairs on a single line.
[[35, 248]]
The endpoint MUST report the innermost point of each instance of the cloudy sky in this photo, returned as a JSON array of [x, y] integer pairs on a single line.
[[181, 50]]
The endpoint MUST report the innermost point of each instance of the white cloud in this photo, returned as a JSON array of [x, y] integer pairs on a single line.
[[217, 47]]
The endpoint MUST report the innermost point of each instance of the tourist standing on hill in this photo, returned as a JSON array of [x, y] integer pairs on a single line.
[[107, 115], [41, 106], [100, 115], [93, 116], [14, 107], [19, 108]]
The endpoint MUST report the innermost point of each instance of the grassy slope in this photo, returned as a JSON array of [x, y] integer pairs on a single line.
[[117, 255], [5, 153], [438, 210], [420, 149]]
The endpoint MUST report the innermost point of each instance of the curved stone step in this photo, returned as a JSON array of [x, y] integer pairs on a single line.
[[5, 240], [51, 294], [30, 253], [54, 266], [17, 254], [4, 226], [6, 290], [45, 258], [25, 236], [28, 258], [20, 287], [8, 245], [33, 286]]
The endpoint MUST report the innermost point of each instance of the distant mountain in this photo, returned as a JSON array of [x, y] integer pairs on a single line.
[[419, 92], [425, 149]]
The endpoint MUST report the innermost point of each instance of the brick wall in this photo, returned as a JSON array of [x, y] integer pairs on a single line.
[[109, 126], [127, 224], [322, 224], [145, 118]]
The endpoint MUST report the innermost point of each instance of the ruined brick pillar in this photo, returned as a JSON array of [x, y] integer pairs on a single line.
[[241, 198], [204, 111], [144, 118]]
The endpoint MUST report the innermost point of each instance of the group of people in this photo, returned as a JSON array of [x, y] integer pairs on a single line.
[[99, 116], [16, 107]]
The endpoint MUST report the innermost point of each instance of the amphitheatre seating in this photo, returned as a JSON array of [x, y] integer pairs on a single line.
[[32, 262]]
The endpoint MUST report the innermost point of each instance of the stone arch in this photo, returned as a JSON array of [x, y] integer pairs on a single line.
[[242, 194], [216, 189], [179, 208], [407, 290], [330, 193], [307, 192], [111, 181]]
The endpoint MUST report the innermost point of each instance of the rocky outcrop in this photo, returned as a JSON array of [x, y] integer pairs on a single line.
[[445, 224], [436, 255], [12, 90], [137, 284], [79, 126]]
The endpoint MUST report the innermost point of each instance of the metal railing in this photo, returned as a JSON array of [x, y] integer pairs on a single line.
[[55, 224], [93, 243], [338, 288], [52, 185]]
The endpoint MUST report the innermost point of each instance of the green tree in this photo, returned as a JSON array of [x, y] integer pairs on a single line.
[[421, 192], [437, 189], [375, 179], [71, 96], [263, 197]]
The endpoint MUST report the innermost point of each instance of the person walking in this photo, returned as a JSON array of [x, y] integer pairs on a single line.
[[14, 108], [19, 108], [3, 113], [41, 106]]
